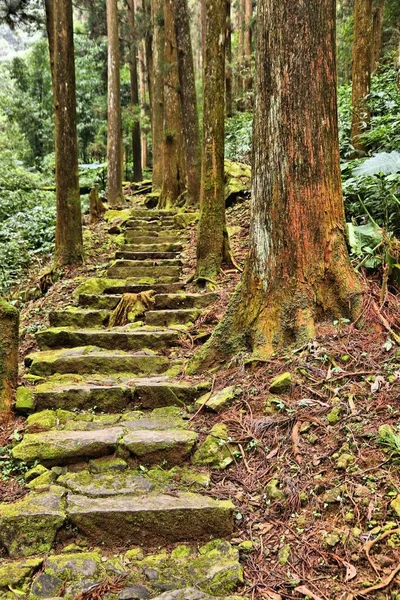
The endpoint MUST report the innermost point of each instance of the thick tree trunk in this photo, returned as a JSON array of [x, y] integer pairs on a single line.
[[114, 123], [149, 54], [190, 117], [49, 9], [157, 120], [248, 36], [298, 271], [143, 78], [69, 245], [213, 242], [173, 171], [9, 320], [228, 65], [136, 135], [239, 91], [361, 76], [377, 32]]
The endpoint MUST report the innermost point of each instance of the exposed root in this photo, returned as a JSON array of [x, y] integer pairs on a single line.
[[130, 307]]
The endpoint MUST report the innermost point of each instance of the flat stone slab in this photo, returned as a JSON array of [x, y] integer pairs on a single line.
[[135, 287], [131, 237], [145, 256], [74, 317], [152, 518], [29, 526], [56, 447], [172, 446], [110, 339], [184, 301], [193, 594], [106, 484], [87, 360], [165, 318]]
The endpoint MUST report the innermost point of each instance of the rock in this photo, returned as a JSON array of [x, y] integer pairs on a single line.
[[9, 323], [46, 586], [14, 573], [63, 446], [193, 594], [151, 574], [96, 285], [99, 485], [220, 400], [283, 554], [42, 482], [76, 565], [134, 592], [333, 495], [332, 539], [150, 518], [281, 383], [215, 452], [152, 447], [105, 463], [345, 460], [333, 416], [29, 526], [25, 400], [395, 505], [273, 492], [34, 472]]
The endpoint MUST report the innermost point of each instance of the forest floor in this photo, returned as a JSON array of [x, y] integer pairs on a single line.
[[315, 476]]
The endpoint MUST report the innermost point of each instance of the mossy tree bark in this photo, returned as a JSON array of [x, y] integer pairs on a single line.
[[188, 95], [9, 321], [136, 135], [114, 123], [377, 33], [157, 18], [69, 245], [143, 78], [298, 271], [174, 179], [248, 43], [361, 73], [228, 65], [213, 241]]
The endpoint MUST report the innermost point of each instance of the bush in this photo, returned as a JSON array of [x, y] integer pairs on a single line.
[[238, 137]]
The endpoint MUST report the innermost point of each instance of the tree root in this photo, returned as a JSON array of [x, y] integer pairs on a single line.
[[130, 307]]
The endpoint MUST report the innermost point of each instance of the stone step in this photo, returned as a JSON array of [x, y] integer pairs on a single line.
[[78, 317], [102, 302], [133, 287], [153, 247], [111, 393], [147, 446], [145, 256], [139, 213], [90, 359], [110, 339], [124, 269], [166, 318], [150, 519], [133, 237], [150, 264], [154, 225]]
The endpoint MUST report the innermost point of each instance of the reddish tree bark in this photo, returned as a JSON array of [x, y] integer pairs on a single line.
[[228, 65], [377, 32], [298, 271], [157, 17], [136, 134]]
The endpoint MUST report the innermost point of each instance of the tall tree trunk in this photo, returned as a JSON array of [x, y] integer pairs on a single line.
[[174, 171], [69, 245], [213, 241], [114, 123], [248, 35], [49, 9], [143, 77], [136, 135], [398, 67], [298, 271], [149, 54], [157, 17], [377, 32], [228, 65], [190, 117], [241, 55], [361, 76]]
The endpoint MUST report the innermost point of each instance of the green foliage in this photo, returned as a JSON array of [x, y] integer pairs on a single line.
[[10, 468], [238, 137], [390, 440]]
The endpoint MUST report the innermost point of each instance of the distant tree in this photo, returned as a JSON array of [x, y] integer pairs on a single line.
[[361, 74], [114, 125], [377, 32], [173, 157], [69, 245], [136, 135], [228, 65], [187, 88], [213, 240], [157, 18], [298, 270], [16, 13]]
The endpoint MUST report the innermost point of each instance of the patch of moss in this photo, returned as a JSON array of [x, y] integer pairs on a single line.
[[25, 400]]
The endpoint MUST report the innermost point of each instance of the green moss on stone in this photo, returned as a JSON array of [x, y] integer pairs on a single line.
[[25, 400], [14, 573]]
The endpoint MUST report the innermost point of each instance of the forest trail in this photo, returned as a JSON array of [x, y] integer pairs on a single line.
[[111, 448]]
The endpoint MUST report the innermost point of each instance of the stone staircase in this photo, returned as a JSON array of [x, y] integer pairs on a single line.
[[110, 448]]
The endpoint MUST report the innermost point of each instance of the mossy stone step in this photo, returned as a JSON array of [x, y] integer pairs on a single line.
[[161, 301], [122, 269], [150, 519], [156, 225], [133, 237], [87, 360], [77, 317], [113, 393], [151, 213], [149, 446], [145, 256], [153, 247], [148, 264], [130, 287], [172, 317], [110, 339]]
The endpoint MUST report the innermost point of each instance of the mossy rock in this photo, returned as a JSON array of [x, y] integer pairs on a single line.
[[97, 285], [13, 574], [215, 452], [25, 400]]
